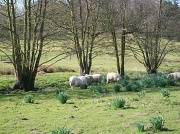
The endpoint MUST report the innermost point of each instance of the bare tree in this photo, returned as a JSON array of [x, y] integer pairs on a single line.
[[111, 13], [26, 30], [84, 18], [150, 47]]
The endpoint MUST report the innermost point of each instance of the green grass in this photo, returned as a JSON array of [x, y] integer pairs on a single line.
[[87, 112]]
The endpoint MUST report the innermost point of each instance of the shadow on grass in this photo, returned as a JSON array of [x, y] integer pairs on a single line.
[[150, 130], [48, 94]]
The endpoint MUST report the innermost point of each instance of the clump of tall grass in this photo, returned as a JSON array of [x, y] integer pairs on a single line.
[[157, 122], [117, 88], [62, 97], [140, 126], [165, 92], [61, 130], [98, 88], [118, 102], [141, 93], [28, 99]]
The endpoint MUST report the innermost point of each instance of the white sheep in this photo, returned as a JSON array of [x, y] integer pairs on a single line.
[[84, 80], [113, 77], [97, 78], [89, 79], [76, 82], [175, 75]]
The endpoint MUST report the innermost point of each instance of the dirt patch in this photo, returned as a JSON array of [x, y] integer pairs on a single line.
[[140, 114], [127, 124]]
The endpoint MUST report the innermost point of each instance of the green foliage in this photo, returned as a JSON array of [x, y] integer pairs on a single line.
[[141, 93], [170, 81], [118, 102], [117, 88], [165, 92], [62, 97], [132, 86], [61, 130], [140, 126], [98, 88], [156, 80], [28, 99], [157, 122], [125, 80]]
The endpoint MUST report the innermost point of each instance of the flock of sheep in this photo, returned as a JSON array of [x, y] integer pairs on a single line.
[[84, 81]]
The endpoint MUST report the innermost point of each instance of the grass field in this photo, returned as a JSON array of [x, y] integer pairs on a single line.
[[88, 112]]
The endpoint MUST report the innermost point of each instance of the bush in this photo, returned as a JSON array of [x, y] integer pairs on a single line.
[[61, 130], [28, 99], [141, 93], [140, 126], [157, 122], [165, 92], [132, 86], [117, 88], [156, 80], [153, 80], [62, 97], [125, 80], [119, 103], [7, 71]]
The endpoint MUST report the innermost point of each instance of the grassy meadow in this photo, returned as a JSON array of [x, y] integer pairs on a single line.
[[87, 111]]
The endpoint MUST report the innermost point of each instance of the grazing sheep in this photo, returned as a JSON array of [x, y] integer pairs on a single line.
[[113, 77], [76, 82], [84, 80], [97, 78], [175, 75], [89, 79]]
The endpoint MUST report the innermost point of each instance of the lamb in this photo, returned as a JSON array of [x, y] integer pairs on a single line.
[[113, 77], [76, 82], [175, 75]]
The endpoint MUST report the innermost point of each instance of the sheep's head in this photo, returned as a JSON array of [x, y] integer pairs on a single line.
[[170, 75]]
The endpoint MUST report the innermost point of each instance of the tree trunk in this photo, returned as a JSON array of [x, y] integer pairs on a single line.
[[151, 71], [113, 33], [25, 81], [123, 39]]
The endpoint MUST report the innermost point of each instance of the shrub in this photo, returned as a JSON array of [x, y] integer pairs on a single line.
[[119, 103], [61, 130], [132, 86], [165, 92], [156, 80], [50, 70], [7, 71], [28, 99], [125, 80], [140, 126], [117, 88], [141, 93], [157, 122], [170, 81], [62, 97]]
